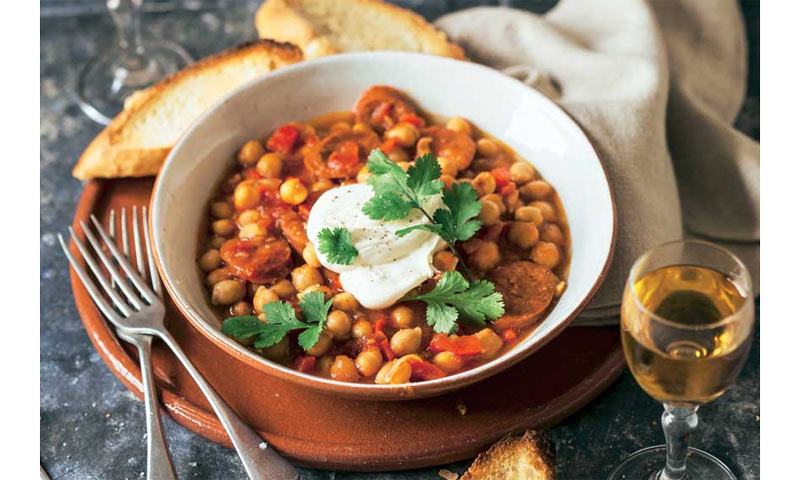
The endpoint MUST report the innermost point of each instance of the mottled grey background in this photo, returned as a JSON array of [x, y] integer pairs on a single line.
[[92, 427]]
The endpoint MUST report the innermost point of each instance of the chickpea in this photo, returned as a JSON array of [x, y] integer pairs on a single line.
[[523, 234], [277, 352], [404, 165], [270, 165], [398, 155], [223, 227], [262, 297], [522, 172], [424, 146], [550, 232], [283, 288], [341, 126], [445, 261], [221, 210], [403, 316], [252, 230], [490, 212], [511, 197], [293, 191], [345, 301], [459, 124], [218, 275], [304, 276], [210, 260], [447, 180], [249, 216], [362, 128], [484, 183], [395, 372], [546, 254], [369, 361], [537, 190], [246, 196], [497, 199], [217, 241], [485, 255], [362, 328], [449, 362], [250, 152], [241, 308], [324, 343], [547, 209], [339, 323], [310, 256], [405, 134], [487, 147], [326, 291], [227, 292], [529, 214], [321, 186], [344, 369], [405, 341], [363, 175], [323, 365], [490, 342], [447, 166]]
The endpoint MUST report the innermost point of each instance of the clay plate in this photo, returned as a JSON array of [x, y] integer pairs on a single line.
[[330, 432]]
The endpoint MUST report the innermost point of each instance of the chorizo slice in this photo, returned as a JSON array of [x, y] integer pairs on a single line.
[[382, 107], [259, 260], [340, 154], [292, 226], [527, 290], [457, 147]]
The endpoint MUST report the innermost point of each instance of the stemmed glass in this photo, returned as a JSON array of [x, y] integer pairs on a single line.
[[132, 64], [687, 324]]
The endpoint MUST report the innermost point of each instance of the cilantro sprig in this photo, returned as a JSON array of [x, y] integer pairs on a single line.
[[282, 319], [337, 245], [453, 297]]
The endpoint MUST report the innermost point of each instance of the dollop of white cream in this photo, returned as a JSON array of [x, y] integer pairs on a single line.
[[387, 266]]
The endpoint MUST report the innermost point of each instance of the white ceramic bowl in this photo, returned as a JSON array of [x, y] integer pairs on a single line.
[[530, 123]]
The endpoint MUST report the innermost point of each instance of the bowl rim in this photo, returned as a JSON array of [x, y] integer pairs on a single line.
[[363, 390]]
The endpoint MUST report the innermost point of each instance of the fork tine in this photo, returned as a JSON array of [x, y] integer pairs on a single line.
[[112, 233], [151, 264], [95, 268], [101, 303], [148, 294], [129, 293], [137, 243]]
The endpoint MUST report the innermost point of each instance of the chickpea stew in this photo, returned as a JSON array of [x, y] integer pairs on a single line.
[[257, 256]]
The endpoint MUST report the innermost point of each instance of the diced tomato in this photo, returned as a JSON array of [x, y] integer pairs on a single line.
[[502, 176], [311, 140], [383, 343], [509, 335], [462, 345], [379, 324], [251, 173], [413, 119], [422, 370], [388, 145], [305, 363], [283, 139], [508, 190], [344, 158], [304, 210]]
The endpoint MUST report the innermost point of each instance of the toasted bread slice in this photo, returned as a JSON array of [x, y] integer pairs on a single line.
[[138, 139], [529, 457], [324, 27]]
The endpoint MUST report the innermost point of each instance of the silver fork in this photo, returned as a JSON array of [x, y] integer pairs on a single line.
[[144, 314], [159, 462]]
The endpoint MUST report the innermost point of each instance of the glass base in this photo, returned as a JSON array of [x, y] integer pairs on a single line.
[[107, 80], [647, 463]]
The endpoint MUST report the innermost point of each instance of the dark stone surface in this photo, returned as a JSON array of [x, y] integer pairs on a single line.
[[92, 427]]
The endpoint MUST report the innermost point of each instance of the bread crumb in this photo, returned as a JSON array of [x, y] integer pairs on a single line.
[[447, 474]]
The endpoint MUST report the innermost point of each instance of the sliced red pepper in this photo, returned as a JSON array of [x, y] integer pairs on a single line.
[[422, 370], [379, 324], [283, 139], [345, 157], [383, 343], [305, 363], [463, 345], [509, 335], [304, 210], [502, 176], [413, 119]]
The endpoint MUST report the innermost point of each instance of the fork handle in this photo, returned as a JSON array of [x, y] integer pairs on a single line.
[[260, 461], [159, 463]]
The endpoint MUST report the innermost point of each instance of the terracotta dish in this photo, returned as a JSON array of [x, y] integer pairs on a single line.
[[526, 121]]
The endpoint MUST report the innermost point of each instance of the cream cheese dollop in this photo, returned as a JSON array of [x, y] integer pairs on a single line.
[[387, 266]]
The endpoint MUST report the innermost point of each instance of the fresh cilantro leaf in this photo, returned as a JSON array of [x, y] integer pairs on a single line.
[[337, 245], [397, 192], [454, 297], [456, 223], [387, 206], [281, 319], [423, 176]]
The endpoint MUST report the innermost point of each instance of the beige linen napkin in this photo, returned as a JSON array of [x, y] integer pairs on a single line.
[[656, 86]]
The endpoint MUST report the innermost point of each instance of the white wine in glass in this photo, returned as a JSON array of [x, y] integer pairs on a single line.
[[687, 324]]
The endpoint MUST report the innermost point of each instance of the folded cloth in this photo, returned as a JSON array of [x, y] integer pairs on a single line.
[[656, 87]]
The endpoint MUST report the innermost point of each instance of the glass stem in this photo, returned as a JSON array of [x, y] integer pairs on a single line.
[[126, 15], [678, 423]]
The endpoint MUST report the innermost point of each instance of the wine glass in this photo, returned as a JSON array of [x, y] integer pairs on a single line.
[[687, 326], [132, 64]]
